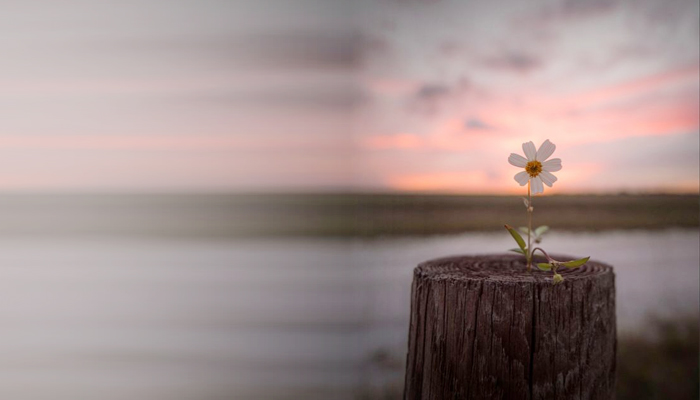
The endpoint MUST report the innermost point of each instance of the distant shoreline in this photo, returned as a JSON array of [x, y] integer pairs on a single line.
[[331, 215]]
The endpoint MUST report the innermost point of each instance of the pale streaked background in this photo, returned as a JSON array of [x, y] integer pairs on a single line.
[[390, 95], [225, 199]]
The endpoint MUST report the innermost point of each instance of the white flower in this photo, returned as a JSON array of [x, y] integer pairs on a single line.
[[537, 168]]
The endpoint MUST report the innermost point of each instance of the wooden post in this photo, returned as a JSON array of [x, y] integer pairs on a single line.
[[482, 327]]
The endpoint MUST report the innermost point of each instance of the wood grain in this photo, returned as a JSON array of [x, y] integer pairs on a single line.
[[482, 327]]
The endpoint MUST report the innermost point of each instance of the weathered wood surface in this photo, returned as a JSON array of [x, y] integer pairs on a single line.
[[482, 327]]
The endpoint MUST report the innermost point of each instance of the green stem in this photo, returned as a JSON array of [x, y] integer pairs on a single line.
[[529, 228]]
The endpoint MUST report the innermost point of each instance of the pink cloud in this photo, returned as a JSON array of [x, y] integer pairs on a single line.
[[396, 141], [440, 181], [165, 142], [683, 76], [660, 104]]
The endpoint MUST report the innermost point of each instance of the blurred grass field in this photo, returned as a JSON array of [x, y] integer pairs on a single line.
[[661, 363], [401, 214], [328, 215]]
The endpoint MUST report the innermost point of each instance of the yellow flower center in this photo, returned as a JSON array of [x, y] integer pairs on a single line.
[[533, 168]]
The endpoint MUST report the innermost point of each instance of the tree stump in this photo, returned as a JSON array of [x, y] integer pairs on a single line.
[[482, 327]]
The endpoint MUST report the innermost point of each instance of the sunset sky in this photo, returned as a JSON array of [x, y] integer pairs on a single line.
[[329, 95]]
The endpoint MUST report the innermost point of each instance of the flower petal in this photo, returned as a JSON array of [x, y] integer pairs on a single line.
[[552, 165], [517, 160], [547, 178], [530, 151], [522, 177], [537, 186], [545, 150]]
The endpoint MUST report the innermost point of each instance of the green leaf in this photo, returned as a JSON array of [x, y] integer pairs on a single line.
[[523, 230], [575, 263], [544, 266], [558, 279], [541, 230], [517, 251], [517, 237]]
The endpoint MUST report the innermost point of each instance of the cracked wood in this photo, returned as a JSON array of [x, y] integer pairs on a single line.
[[482, 327]]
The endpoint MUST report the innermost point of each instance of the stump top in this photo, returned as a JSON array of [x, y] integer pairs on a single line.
[[504, 268]]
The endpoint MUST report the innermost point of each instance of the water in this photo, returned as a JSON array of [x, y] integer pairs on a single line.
[[155, 318]]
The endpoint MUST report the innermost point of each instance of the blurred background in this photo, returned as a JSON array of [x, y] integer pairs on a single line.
[[226, 199]]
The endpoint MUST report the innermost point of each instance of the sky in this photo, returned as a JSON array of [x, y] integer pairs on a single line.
[[324, 95]]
